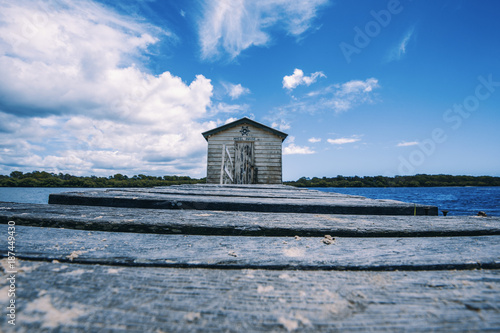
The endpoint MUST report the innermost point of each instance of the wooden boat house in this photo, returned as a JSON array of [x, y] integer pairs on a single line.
[[244, 152]]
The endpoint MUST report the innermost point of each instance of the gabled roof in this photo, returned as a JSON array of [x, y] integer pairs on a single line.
[[241, 121]]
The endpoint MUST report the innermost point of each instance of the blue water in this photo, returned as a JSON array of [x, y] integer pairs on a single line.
[[458, 200], [38, 195]]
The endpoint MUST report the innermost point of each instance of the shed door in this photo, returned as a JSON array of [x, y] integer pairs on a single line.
[[244, 163]]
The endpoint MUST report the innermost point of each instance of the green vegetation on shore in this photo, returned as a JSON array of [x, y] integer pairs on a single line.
[[397, 181], [45, 179]]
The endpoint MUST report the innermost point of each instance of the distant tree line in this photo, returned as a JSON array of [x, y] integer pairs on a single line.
[[45, 179], [397, 181]]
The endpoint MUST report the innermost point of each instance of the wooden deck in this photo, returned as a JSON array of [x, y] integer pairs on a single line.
[[116, 269], [256, 198]]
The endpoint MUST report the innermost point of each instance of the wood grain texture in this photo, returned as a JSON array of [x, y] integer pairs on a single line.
[[255, 190], [307, 202], [206, 222], [304, 253], [266, 153], [63, 297], [244, 163], [112, 269]]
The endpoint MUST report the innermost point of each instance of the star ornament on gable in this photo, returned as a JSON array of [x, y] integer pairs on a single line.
[[244, 130]]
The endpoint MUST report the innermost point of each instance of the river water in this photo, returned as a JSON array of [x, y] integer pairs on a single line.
[[458, 200]]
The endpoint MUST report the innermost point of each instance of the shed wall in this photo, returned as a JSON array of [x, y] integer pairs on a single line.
[[267, 152]]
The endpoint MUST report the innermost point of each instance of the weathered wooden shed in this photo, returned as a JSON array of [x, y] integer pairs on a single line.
[[244, 152]]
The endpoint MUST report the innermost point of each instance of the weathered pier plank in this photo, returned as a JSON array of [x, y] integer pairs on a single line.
[[279, 191], [254, 190], [89, 298], [304, 253], [209, 258], [205, 222], [245, 199]]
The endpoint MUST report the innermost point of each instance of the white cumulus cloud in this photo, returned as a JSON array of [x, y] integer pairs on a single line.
[[281, 125], [293, 149], [73, 95], [235, 90], [314, 140], [298, 78], [356, 87], [230, 120]]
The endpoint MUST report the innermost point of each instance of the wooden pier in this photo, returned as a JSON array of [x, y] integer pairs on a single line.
[[243, 198], [261, 258]]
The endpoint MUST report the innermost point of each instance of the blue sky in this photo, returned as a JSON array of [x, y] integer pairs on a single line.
[[361, 87]]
